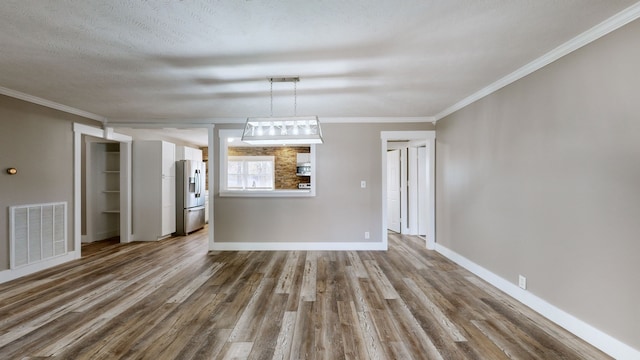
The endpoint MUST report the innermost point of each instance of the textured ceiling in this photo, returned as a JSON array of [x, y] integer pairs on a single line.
[[202, 59]]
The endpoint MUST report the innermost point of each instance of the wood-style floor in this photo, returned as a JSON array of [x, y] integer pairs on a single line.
[[173, 300]]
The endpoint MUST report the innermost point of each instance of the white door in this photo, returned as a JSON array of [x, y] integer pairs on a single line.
[[168, 224], [168, 201], [393, 190], [422, 191]]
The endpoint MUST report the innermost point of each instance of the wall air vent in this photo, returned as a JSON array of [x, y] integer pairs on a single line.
[[37, 232]]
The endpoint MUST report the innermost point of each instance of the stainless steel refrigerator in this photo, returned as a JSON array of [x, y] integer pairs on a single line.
[[190, 196]]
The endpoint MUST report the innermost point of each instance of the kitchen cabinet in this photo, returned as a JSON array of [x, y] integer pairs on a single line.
[[188, 153], [154, 186]]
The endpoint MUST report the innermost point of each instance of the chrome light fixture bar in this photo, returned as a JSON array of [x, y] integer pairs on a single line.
[[291, 130]]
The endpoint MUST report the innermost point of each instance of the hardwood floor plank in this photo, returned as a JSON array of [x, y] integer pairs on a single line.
[[173, 299], [210, 344], [413, 335], [285, 337], [303, 342], [237, 350], [266, 338], [356, 263], [287, 276], [294, 294], [450, 328], [380, 280], [373, 343], [308, 288], [253, 314], [504, 341], [353, 339], [357, 294], [328, 338], [194, 284]]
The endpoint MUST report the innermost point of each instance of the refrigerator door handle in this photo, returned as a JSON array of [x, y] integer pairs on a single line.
[[198, 185]]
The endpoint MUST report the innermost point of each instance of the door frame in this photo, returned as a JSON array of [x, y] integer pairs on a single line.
[[125, 181], [400, 202], [429, 138]]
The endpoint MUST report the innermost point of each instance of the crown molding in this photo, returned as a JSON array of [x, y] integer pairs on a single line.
[[611, 24], [229, 120], [50, 104]]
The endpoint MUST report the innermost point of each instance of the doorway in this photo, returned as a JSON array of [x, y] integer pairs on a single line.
[[120, 197], [416, 179]]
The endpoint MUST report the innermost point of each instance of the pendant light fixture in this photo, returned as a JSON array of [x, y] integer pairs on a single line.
[[291, 130]]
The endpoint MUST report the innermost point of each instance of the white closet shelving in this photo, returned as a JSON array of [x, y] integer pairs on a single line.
[[103, 191]]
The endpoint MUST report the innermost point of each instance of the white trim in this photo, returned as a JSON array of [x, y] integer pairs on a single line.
[[126, 190], [223, 135], [404, 191], [428, 137], [611, 24], [266, 193], [412, 190], [299, 246], [8, 275], [125, 171], [211, 161], [156, 123], [170, 124], [379, 119], [50, 104], [590, 334]]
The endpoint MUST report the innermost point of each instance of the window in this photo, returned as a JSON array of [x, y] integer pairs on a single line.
[[250, 173]]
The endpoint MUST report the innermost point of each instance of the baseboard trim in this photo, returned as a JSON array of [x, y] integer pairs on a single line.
[[298, 246], [8, 275], [606, 343]]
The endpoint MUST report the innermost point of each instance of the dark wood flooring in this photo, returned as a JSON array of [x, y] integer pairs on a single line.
[[174, 300]]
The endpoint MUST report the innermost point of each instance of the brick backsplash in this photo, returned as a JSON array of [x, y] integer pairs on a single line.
[[285, 162]]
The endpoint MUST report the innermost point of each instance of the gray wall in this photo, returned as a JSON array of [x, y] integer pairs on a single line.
[[543, 179], [341, 211], [38, 142]]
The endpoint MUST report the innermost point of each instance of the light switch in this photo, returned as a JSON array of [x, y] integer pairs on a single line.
[[363, 184]]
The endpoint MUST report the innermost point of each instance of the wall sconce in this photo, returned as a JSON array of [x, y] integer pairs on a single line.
[[12, 171]]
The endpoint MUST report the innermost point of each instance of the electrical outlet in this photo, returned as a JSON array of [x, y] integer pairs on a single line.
[[366, 235], [522, 282]]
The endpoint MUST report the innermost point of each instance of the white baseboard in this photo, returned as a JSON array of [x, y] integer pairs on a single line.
[[8, 275], [298, 246], [606, 343]]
